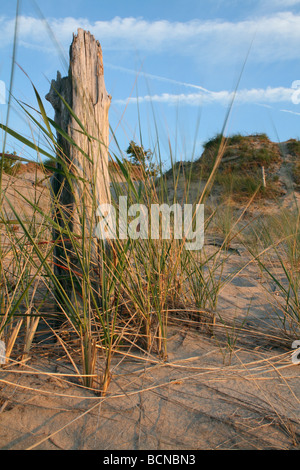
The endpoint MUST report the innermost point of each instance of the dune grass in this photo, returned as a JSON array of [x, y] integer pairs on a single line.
[[120, 296], [126, 294], [277, 253]]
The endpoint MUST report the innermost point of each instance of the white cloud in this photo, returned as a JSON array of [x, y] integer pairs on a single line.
[[224, 97], [276, 36], [280, 3]]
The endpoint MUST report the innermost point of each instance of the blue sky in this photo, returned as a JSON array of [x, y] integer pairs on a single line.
[[182, 59]]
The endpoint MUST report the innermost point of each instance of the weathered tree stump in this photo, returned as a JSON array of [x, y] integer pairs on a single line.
[[81, 181]]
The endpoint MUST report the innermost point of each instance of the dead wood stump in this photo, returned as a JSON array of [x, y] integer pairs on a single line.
[[81, 181]]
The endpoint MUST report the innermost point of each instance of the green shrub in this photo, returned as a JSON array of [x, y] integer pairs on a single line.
[[293, 146], [9, 163], [213, 143], [296, 173], [234, 184]]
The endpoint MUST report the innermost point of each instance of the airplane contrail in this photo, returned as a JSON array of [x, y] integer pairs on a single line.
[[188, 85], [157, 77], [291, 112]]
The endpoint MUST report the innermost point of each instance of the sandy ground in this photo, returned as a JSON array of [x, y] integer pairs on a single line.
[[202, 397], [205, 396]]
